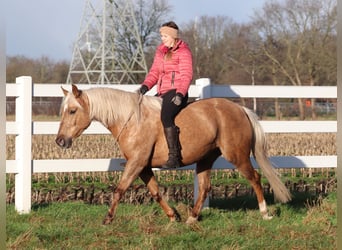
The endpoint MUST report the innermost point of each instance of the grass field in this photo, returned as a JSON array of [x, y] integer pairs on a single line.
[[305, 223], [308, 222]]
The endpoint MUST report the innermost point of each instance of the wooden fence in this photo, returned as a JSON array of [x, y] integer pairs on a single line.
[[23, 166]]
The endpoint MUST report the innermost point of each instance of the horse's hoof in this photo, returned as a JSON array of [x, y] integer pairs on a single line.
[[173, 219], [191, 220], [267, 217], [108, 220]]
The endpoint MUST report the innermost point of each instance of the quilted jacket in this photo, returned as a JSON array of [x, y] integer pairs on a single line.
[[174, 73]]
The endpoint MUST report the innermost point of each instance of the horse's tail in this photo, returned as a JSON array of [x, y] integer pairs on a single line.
[[281, 193]]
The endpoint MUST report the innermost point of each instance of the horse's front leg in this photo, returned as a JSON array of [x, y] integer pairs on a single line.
[[150, 180], [131, 172]]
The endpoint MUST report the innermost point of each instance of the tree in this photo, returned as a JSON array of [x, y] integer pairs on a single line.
[[150, 15], [298, 38], [212, 41], [42, 70]]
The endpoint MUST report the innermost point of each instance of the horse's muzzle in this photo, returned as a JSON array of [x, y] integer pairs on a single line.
[[62, 142]]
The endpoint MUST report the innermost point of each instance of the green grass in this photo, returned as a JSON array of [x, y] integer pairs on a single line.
[[308, 222]]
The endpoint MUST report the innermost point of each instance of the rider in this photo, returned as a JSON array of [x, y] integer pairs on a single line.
[[172, 72]]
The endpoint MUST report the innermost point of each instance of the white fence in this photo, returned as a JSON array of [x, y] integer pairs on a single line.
[[23, 127]]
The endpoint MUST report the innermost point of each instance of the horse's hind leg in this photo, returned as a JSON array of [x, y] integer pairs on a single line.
[[150, 180], [247, 170]]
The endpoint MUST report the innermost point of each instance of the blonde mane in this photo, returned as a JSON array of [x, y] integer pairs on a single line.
[[109, 105]]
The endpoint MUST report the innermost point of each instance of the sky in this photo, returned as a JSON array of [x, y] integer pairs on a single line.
[[48, 28]]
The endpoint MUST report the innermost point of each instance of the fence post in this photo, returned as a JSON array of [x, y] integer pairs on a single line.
[[2, 132], [23, 144], [204, 90]]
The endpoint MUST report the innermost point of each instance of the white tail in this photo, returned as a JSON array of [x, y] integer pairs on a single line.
[[281, 193]]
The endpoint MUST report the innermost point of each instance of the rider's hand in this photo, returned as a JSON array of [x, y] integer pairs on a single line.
[[143, 89], [177, 99]]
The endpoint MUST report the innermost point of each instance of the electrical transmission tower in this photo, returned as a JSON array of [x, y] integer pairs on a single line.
[[108, 49]]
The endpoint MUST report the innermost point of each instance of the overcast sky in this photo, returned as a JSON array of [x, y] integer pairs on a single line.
[[38, 28]]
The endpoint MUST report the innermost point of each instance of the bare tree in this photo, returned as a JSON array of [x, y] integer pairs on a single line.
[[296, 36], [212, 39], [42, 70], [150, 16]]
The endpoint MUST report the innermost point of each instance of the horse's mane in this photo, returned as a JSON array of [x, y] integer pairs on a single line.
[[109, 105]]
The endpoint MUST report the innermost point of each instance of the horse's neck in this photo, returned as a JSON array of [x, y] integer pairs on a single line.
[[122, 109], [104, 107], [111, 112]]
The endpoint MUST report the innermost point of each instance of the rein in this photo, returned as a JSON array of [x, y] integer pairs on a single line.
[[129, 117]]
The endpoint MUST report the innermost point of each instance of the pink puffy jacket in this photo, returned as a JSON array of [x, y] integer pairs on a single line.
[[174, 73]]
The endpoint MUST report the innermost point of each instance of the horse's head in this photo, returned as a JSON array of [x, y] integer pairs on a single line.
[[74, 117]]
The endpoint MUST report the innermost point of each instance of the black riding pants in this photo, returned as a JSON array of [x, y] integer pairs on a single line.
[[169, 110]]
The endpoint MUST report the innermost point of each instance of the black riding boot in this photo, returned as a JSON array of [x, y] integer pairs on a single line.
[[172, 139]]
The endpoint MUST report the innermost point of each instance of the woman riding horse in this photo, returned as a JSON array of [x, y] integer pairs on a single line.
[[210, 128], [172, 72]]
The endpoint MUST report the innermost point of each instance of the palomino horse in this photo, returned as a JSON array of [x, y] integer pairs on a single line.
[[208, 128]]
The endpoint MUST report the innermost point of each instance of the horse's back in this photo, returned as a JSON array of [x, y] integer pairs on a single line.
[[211, 124], [212, 111]]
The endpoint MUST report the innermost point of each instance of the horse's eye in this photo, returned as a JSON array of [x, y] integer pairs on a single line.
[[72, 111]]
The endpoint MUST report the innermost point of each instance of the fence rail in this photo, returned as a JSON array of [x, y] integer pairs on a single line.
[[23, 166]]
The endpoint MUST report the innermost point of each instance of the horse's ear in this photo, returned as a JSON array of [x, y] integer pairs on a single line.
[[65, 92], [76, 92]]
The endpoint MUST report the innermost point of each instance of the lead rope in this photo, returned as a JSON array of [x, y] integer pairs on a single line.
[[130, 116]]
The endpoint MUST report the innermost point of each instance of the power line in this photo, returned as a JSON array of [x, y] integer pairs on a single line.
[[108, 49]]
